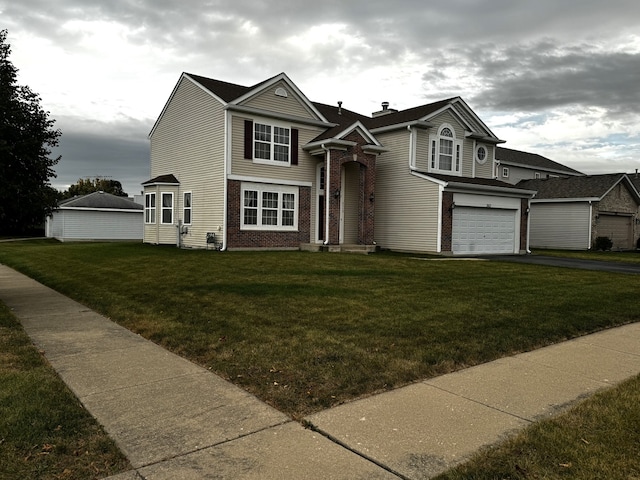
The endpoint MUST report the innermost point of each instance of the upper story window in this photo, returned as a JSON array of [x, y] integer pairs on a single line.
[[150, 208], [446, 151], [481, 154], [269, 143], [505, 172]]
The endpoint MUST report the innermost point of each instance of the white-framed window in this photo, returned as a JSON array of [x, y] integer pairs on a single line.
[[269, 207], [186, 208], [445, 151], [505, 172], [536, 175], [271, 143], [481, 154], [149, 208], [167, 208]]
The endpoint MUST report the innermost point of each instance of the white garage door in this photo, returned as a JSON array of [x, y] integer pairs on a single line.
[[483, 230]]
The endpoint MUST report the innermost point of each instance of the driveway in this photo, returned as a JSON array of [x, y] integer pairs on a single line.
[[615, 267]]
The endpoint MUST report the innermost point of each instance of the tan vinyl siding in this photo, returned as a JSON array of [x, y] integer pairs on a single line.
[[406, 206], [559, 225], [188, 142], [423, 150], [485, 170], [269, 101]]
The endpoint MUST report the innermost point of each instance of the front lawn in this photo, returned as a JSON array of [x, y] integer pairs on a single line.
[[632, 256], [306, 331]]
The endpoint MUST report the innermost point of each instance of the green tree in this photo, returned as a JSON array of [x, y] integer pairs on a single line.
[[90, 185], [26, 139]]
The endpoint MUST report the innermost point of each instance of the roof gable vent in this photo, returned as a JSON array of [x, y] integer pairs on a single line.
[[281, 92]]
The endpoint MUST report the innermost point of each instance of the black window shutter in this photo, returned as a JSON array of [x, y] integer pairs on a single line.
[[294, 146], [248, 139]]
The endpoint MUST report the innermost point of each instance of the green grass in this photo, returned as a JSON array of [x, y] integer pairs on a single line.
[[306, 331], [598, 439], [44, 431], [623, 257]]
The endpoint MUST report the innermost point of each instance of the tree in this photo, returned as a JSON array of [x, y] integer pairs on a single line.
[[26, 139], [89, 185]]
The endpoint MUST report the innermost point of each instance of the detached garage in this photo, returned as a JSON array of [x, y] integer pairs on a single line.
[[98, 216], [570, 213]]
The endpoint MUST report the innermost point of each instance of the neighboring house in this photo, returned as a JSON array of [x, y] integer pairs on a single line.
[[570, 213], [264, 167], [98, 216], [515, 165]]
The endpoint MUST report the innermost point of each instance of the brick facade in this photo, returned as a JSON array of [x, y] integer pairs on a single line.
[[447, 221], [524, 223], [367, 179], [237, 238]]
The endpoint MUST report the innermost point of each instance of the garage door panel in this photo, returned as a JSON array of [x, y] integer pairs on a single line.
[[617, 228], [483, 230]]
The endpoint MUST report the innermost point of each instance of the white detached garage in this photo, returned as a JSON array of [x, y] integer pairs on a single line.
[[98, 216]]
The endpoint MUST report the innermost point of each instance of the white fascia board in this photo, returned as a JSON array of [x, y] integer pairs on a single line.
[[565, 200], [272, 81], [334, 143], [92, 209], [155, 184], [475, 117], [375, 149], [467, 187], [277, 115], [441, 183], [483, 138], [365, 132], [184, 76], [273, 181], [403, 126]]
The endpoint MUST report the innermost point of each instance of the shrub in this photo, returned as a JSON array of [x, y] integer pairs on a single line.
[[603, 243]]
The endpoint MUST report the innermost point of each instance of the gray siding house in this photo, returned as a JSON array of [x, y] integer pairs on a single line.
[[515, 165]]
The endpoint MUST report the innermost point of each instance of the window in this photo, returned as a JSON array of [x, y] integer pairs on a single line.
[[446, 151], [505, 172], [271, 143], [167, 208], [150, 208], [536, 175], [186, 208], [269, 207], [481, 154]]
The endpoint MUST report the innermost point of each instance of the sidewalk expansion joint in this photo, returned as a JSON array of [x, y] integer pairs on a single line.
[[213, 445], [340, 443]]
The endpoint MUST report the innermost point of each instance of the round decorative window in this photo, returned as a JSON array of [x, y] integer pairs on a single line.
[[481, 154]]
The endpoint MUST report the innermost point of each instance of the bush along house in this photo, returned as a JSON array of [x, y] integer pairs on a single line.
[[263, 167]]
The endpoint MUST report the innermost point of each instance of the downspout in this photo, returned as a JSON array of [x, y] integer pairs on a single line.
[[178, 223], [412, 149], [528, 226], [225, 181], [327, 192], [590, 225]]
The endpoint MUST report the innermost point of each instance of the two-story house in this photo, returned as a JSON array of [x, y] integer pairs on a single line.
[[515, 165], [265, 167]]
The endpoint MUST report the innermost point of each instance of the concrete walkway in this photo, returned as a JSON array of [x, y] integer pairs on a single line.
[[175, 420]]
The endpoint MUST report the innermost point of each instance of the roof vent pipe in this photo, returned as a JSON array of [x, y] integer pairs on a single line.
[[385, 105], [339, 107]]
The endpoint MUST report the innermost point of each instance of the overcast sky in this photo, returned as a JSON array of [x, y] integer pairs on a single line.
[[558, 78]]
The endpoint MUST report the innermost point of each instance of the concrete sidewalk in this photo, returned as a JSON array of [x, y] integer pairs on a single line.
[[175, 420]]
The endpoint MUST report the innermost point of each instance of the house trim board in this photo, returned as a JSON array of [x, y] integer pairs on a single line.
[[273, 181]]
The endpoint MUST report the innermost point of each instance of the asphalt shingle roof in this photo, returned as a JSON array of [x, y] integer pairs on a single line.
[[101, 200], [532, 160], [587, 186], [162, 179]]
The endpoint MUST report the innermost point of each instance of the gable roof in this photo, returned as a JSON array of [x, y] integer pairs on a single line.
[[100, 200], [586, 187], [532, 160]]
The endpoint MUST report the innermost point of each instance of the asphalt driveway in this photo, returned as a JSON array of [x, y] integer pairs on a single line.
[[616, 267]]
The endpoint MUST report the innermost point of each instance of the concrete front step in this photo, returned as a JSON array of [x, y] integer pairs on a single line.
[[345, 248]]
